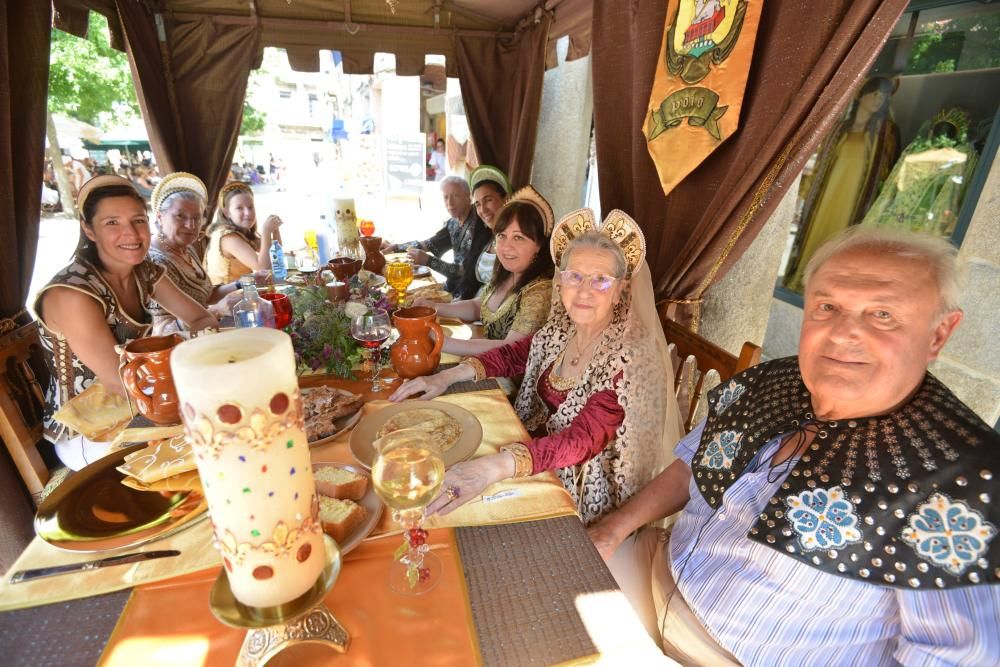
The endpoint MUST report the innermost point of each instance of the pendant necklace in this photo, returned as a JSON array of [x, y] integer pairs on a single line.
[[575, 361]]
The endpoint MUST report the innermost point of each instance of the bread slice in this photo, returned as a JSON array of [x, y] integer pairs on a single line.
[[340, 517], [340, 483]]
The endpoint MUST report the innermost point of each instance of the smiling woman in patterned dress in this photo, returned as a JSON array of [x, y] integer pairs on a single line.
[[101, 300]]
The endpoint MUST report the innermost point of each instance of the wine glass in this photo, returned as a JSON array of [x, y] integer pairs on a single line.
[[399, 275], [282, 308], [407, 474], [371, 330]]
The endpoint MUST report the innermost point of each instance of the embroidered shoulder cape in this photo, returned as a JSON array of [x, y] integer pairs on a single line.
[[902, 500]]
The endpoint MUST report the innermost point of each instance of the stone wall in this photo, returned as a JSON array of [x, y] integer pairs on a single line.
[[736, 308], [560, 167]]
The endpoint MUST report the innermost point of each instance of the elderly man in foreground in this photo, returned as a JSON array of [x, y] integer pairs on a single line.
[[839, 507]]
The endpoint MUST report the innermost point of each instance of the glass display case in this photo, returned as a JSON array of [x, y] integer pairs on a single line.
[[913, 148]]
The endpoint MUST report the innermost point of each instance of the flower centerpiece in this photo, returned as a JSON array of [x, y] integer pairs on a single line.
[[321, 331], [321, 334]]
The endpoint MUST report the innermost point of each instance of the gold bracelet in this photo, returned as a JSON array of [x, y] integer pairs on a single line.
[[476, 366], [524, 465]]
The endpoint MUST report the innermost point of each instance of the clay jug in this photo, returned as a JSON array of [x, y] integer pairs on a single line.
[[344, 267], [416, 353], [148, 379], [374, 259]]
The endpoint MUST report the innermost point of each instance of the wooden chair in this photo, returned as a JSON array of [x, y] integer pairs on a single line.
[[699, 366], [23, 376]]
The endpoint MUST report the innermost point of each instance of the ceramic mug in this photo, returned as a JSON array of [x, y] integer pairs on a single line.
[[147, 376]]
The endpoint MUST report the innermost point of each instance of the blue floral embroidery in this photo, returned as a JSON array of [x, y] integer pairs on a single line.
[[730, 394], [823, 519], [721, 451], [948, 533]]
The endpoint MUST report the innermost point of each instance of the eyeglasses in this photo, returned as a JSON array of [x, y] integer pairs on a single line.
[[598, 281]]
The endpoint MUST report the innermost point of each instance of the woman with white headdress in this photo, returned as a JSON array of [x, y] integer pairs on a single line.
[[178, 203], [595, 396]]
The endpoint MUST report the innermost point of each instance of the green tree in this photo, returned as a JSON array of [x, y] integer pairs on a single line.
[[254, 120], [88, 79]]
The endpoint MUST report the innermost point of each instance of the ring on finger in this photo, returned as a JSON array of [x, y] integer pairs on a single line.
[[453, 493]]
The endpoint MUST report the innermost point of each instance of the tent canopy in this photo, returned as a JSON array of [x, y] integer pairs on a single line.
[[360, 28]]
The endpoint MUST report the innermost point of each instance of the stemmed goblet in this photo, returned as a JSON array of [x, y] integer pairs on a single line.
[[407, 474], [399, 275], [371, 330]]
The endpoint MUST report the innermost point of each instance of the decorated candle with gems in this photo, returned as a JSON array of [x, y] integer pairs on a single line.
[[242, 413]]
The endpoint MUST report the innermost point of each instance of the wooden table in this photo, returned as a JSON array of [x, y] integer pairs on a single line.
[[516, 613]]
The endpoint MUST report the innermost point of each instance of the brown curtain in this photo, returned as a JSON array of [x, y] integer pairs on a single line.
[[808, 61], [191, 88], [24, 73], [24, 77], [502, 91]]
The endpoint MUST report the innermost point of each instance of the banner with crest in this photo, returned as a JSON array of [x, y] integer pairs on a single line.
[[699, 84]]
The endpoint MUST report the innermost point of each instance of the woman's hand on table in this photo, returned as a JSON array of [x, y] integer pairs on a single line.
[[387, 246], [467, 480], [433, 385]]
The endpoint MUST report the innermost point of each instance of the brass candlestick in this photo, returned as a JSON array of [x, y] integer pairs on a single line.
[[304, 620]]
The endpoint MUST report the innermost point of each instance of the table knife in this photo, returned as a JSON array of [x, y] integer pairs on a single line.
[[38, 573]]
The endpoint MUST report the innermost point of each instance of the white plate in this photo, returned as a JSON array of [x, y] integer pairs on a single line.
[[468, 442], [370, 502]]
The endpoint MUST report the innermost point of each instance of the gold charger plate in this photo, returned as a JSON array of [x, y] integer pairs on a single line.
[[93, 511], [235, 614], [370, 501], [364, 433], [341, 424]]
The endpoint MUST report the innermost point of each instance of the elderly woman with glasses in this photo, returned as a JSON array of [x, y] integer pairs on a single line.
[[595, 395], [178, 201]]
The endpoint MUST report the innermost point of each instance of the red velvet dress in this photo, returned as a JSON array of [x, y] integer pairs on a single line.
[[589, 432]]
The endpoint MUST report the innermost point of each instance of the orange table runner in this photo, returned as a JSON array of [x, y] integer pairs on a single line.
[[169, 623]]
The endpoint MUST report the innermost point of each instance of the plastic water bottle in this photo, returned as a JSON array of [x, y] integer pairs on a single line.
[[251, 310], [278, 262], [324, 242]]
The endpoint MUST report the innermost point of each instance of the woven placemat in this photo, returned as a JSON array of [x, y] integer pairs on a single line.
[[468, 385], [523, 579], [60, 635]]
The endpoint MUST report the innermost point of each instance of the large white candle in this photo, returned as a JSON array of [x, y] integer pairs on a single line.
[[346, 223], [242, 412]]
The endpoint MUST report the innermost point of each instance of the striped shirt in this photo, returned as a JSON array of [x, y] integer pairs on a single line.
[[770, 609]]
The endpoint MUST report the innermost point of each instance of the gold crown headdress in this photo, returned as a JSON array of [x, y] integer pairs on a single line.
[[530, 195], [229, 187], [487, 172], [617, 226], [103, 181], [179, 181]]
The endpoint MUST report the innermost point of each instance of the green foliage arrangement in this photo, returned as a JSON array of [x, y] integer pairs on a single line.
[[321, 334]]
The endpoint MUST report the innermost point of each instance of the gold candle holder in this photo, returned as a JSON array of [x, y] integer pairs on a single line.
[[242, 413]]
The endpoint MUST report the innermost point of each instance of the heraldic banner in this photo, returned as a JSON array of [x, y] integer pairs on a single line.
[[698, 88]]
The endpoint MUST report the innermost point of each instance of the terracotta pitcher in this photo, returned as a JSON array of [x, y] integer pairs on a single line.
[[374, 259], [415, 353], [147, 377]]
